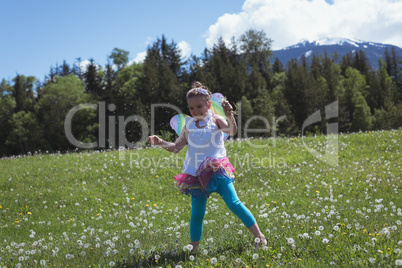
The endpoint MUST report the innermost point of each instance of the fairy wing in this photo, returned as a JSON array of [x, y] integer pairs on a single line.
[[216, 106], [178, 122]]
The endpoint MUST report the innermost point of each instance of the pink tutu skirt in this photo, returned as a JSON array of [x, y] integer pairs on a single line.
[[211, 173]]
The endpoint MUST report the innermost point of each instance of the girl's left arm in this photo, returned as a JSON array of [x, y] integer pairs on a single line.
[[229, 125]]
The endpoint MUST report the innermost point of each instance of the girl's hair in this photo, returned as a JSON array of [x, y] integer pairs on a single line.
[[198, 89]]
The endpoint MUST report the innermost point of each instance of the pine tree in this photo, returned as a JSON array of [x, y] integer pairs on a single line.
[[7, 110], [284, 119], [256, 48], [295, 91], [332, 75], [92, 79], [277, 67], [23, 92], [160, 83]]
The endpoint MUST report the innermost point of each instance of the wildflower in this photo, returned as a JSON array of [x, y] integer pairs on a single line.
[[214, 261], [191, 258], [255, 256], [398, 263], [111, 263], [317, 232], [290, 241], [257, 240], [238, 260], [325, 241], [372, 260], [69, 256], [222, 258]]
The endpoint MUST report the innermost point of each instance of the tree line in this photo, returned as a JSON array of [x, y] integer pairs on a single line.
[[32, 113]]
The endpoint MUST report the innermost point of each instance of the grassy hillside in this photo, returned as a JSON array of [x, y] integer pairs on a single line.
[[103, 209]]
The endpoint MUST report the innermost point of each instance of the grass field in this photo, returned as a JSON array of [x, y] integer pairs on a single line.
[[101, 209]]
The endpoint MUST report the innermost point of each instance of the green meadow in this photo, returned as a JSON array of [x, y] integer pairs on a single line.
[[123, 208]]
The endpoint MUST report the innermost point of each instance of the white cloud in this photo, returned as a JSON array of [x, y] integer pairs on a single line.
[[139, 58], [83, 65], [185, 49], [183, 46], [149, 40], [287, 22]]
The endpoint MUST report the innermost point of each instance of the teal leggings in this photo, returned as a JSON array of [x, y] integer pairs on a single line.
[[228, 193]]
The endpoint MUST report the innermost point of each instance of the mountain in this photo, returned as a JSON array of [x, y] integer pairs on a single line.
[[342, 46]]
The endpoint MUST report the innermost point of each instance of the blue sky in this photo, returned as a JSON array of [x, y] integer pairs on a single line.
[[39, 34], [36, 35]]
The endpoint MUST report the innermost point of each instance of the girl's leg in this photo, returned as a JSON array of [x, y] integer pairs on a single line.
[[198, 206], [229, 195]]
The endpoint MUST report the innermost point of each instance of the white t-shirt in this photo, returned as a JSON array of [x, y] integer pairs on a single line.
[[204, 141]]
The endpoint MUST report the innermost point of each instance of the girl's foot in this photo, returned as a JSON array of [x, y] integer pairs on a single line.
[[195, 245]]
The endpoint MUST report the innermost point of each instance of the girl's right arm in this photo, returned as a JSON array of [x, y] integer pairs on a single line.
[[175, 147]]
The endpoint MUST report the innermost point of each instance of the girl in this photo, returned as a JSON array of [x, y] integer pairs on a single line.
[[206, 167]]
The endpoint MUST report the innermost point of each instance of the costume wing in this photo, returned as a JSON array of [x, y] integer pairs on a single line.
[[216, 106], [178, 122]]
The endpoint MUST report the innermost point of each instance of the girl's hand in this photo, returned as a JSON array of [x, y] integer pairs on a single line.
[[155, 140], [227, 108]]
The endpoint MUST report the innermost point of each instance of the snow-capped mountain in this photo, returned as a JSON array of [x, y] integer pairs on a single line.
[[342, 46]]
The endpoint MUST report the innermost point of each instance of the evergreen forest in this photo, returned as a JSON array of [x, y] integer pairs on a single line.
[[267, 94]]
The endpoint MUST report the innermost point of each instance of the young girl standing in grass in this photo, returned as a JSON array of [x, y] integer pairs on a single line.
[[206, 167]]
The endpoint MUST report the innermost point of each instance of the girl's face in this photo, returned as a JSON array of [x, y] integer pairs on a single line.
[[198, 107]]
